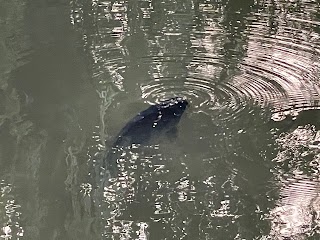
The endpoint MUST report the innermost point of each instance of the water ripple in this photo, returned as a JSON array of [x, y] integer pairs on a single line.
[[280, 67], [296, 212], [226, 59], [283, 66]]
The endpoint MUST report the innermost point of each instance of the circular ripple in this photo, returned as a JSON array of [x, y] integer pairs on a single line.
[[281, 69], [277, 66], [199, 92], [204, 94]]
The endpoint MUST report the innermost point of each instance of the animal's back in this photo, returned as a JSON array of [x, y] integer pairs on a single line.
[[148, 126]]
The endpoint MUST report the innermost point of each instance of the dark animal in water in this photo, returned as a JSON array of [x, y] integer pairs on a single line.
[[149, 125]]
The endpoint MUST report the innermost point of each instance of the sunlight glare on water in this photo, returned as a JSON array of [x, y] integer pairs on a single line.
[[239, 66], [9, 214], [297, 210], [243, 160]]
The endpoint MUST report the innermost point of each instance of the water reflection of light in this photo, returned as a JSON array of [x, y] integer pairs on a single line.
[[190, 52], [9, 214], [200, 61], [280, 69], [297, 213], [111, 22], [128, 230]]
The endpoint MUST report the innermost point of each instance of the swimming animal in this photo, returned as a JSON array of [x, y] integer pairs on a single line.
[[151, 126], [148, 126]]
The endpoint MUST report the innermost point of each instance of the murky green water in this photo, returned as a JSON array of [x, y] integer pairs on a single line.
[[245, 162]]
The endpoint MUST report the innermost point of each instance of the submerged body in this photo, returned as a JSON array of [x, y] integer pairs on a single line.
[[148, 126]]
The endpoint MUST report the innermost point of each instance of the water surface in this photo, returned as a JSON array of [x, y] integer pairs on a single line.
[[245, 161]]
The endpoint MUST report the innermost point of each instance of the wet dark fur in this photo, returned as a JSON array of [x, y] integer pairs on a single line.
[[149, 125]]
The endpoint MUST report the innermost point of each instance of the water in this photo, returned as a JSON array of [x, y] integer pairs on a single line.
[[245, 161]]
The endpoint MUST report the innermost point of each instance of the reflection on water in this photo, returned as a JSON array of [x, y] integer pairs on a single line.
[[297, 211], [9, 214], [244, 163]]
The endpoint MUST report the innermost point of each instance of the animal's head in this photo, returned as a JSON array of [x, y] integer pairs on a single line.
[[171, 110], [173, 107]]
